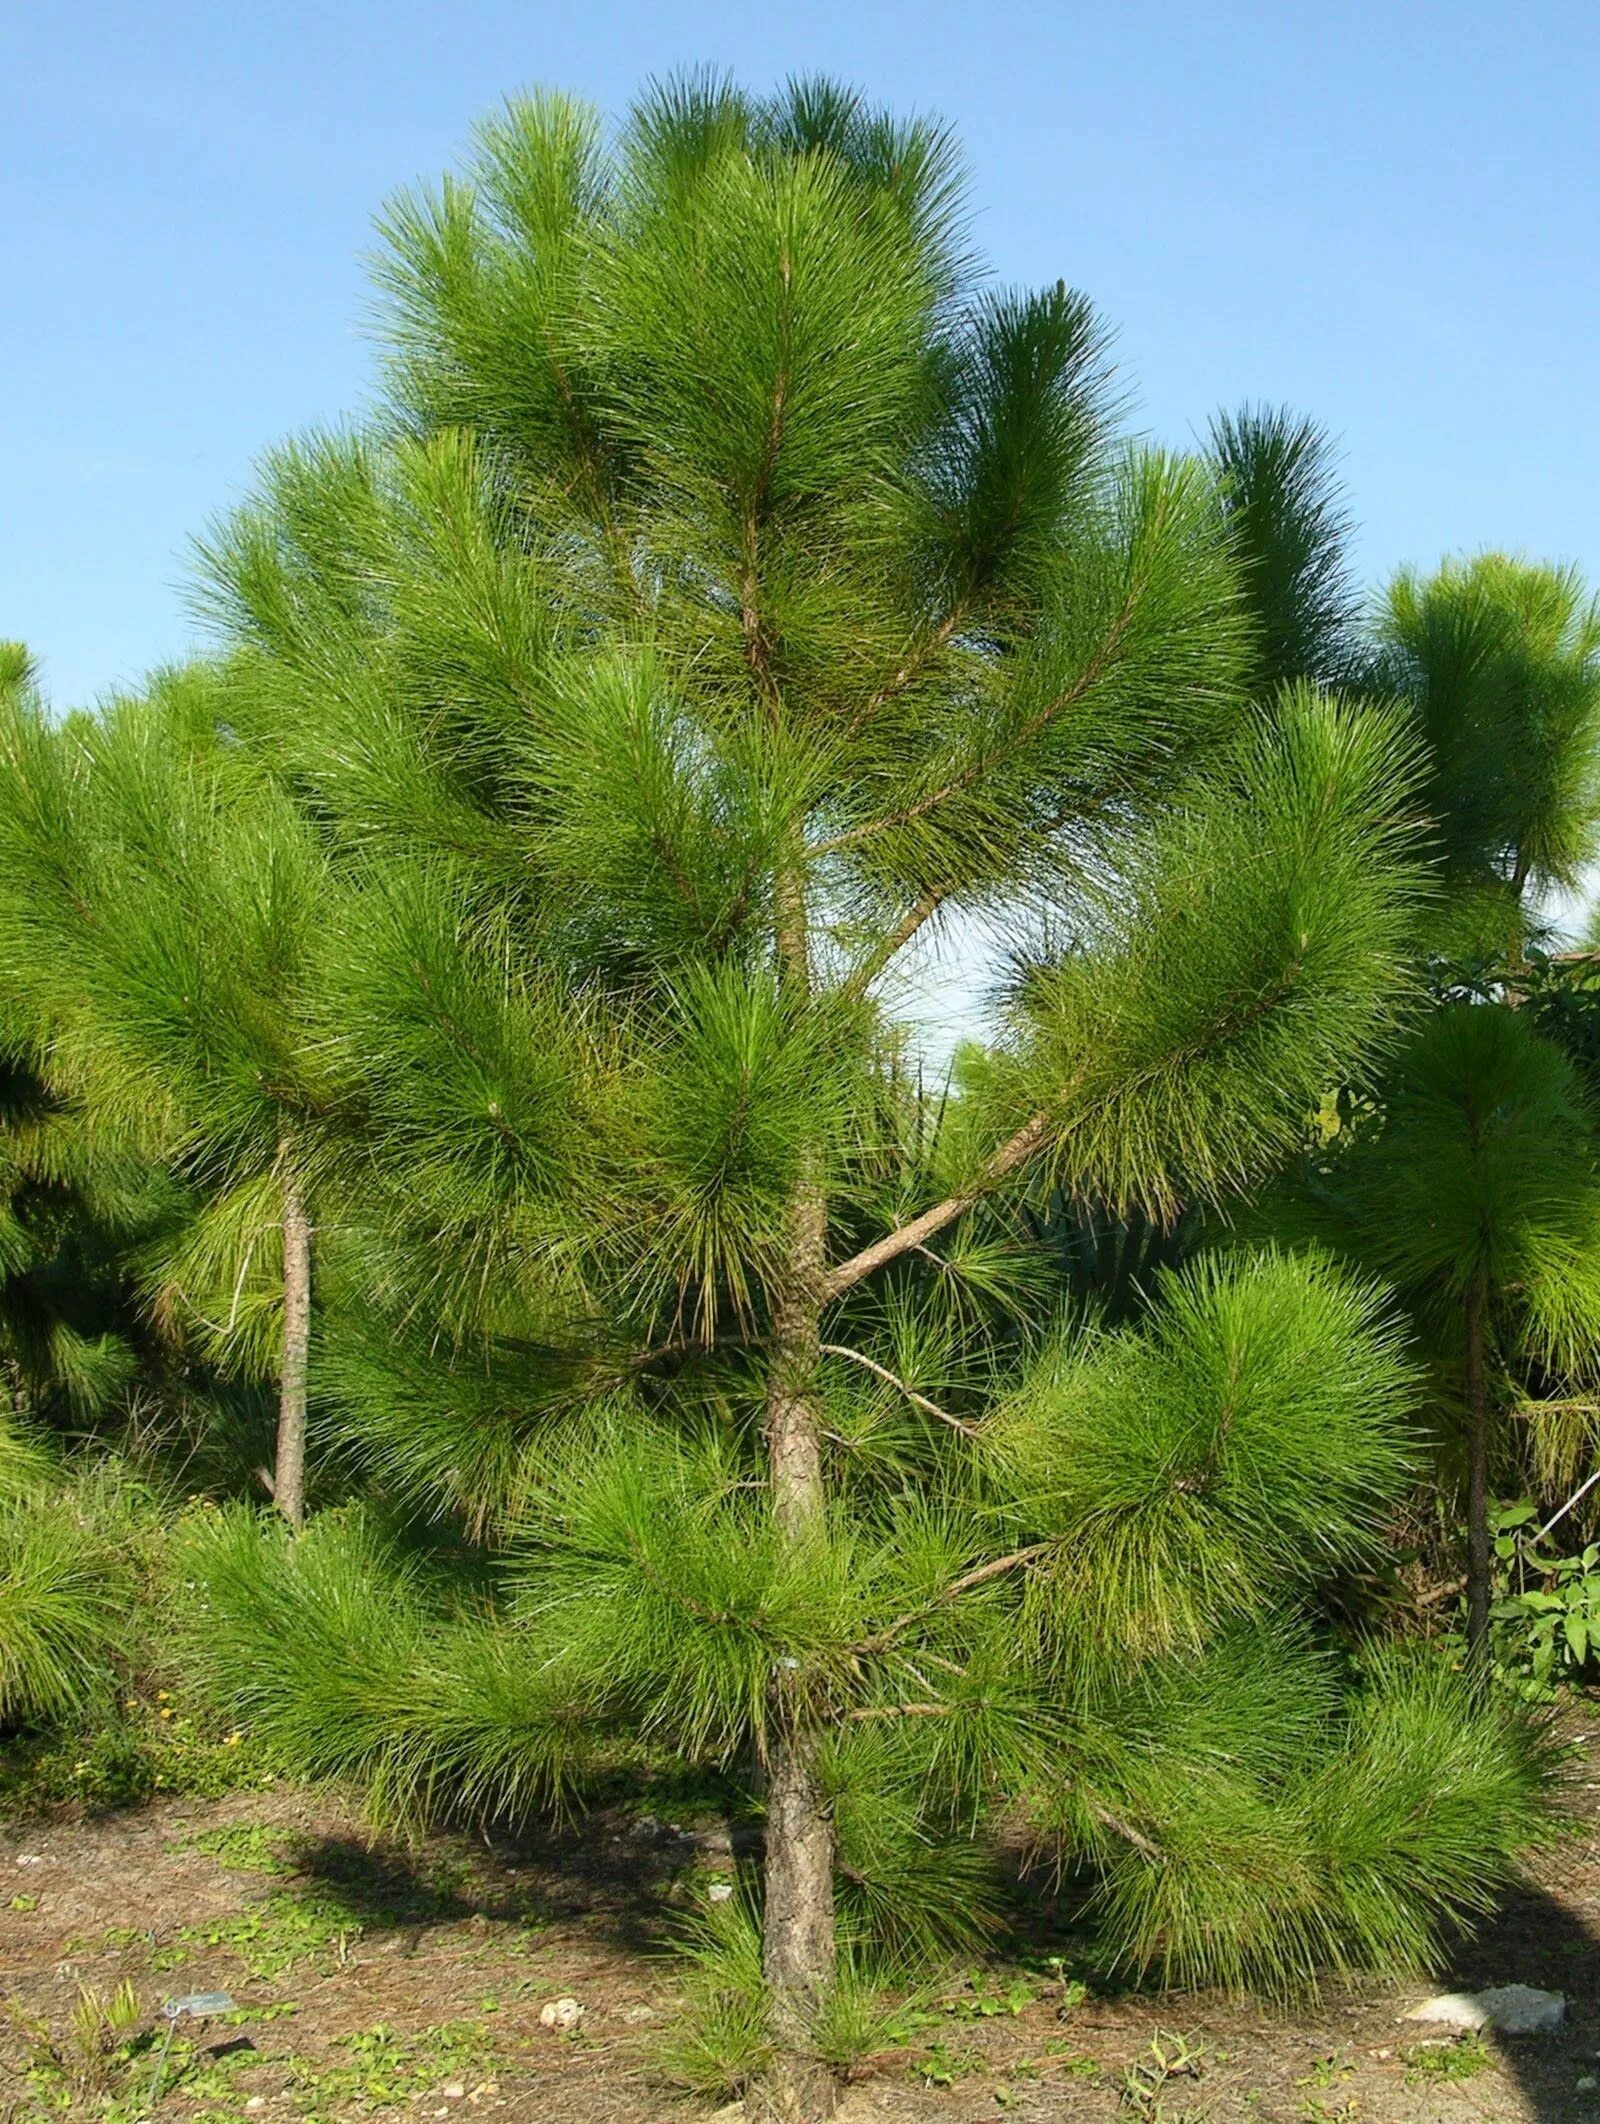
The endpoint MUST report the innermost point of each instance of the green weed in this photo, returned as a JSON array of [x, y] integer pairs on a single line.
[[1168, 2057], [273, 1936], [1328, 2071], [940, 2066], [1462, 2059], [380, 2069], [243, 1847]]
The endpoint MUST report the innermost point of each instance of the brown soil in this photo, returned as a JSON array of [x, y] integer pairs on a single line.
[[357, 1934]]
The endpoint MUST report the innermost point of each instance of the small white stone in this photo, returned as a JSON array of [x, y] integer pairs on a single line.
[[256, 2102], [720, 1892], [560, 2014], [455, 2092]]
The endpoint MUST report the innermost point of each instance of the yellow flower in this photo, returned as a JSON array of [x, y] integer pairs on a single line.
[[231, 1740]]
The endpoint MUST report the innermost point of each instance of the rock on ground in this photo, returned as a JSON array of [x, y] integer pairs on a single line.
[[1513, 2009]]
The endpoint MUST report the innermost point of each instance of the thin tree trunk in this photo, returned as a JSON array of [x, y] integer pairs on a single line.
[[798, 1931], [1510, 993], [289, 1476], [1477, 1399]]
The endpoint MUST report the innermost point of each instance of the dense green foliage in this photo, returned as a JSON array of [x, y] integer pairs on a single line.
[[733, 592]]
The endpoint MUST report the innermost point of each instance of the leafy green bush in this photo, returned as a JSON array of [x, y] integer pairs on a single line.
[[1547, 1616]]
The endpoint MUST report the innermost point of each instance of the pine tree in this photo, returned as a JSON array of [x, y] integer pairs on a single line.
[[1498, 660], [1473, 1188], [70, 1214], [159, 907], [736, 591]]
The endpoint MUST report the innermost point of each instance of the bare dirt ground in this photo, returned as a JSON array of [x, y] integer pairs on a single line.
[[375, 1979]]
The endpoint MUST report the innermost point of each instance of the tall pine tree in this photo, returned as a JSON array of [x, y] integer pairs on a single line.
[[737, 590]]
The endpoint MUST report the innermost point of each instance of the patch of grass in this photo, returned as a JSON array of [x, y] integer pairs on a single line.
[[126, 1754], [92, 2059], [199, 2074], [116, 1939], [1461, 2059], [103, 2061], [243, 1847], [379, 2069], [273, 1936], [253, 2016]]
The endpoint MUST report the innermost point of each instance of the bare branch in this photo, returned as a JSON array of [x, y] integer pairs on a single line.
[[901, 1711], [882, 1371], [969, 1582], [1126, 1831], [1577, 1497], [1015, 1151]]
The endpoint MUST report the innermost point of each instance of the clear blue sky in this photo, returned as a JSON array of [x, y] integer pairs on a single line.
[[1383, 212]]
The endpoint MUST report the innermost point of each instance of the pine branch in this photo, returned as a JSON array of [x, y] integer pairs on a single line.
[[1023, 1145], [888, 948], [1016, 1151], [1034, 727], [881, 1371], [916, 662], [997, 1567], [1127, 1832]]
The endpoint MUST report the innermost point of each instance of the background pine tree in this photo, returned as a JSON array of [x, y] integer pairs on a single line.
[[1472, 1186], [161, 902]]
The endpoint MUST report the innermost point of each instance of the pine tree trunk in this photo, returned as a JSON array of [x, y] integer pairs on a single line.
[[289, 1475], [798, 1930], [1477, 1401]]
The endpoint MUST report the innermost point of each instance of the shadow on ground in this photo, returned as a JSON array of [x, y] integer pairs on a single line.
[[620, 1885], [1534, 1939]]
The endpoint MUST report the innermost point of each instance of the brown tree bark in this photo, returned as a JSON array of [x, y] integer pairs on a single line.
[[1477, 1402], [798, 1943], [289, 1474]]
